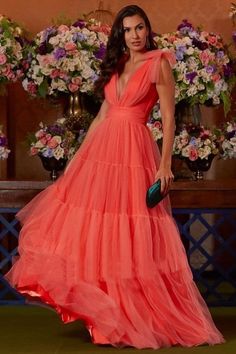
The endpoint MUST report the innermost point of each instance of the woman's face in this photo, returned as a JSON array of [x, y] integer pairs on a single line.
[[135, 33]]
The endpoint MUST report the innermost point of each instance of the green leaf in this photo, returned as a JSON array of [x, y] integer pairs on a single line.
[[226, 102], [43, 89]]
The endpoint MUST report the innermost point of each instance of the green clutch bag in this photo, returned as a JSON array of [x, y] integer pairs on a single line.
[[154, 196]]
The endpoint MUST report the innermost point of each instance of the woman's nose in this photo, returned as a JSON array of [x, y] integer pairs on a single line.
[[135, 34]]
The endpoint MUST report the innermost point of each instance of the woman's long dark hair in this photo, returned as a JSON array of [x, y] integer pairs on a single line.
[[116, 45]]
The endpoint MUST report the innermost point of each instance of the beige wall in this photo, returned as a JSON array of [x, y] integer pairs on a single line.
[[24, 114]]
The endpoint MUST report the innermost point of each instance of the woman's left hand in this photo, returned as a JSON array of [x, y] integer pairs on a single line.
[[166, 176]]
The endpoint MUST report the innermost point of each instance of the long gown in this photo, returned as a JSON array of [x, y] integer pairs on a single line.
[[91, 249]]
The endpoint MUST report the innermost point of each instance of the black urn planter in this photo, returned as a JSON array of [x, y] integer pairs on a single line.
[[199, 166], [53, 165]]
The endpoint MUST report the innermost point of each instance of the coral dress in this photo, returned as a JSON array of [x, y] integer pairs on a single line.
[[91, 248]]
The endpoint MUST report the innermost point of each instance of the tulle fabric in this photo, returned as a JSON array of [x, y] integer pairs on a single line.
[[92, 250]]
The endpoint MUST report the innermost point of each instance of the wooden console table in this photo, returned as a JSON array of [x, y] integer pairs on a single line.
[[183, 194], [208, 204]]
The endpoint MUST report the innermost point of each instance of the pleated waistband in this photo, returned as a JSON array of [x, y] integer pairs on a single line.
[[131, 114]]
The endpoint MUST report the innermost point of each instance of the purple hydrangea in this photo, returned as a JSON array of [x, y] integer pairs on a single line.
[[49, 32], [200, 45], [79, 23], [190, 76], [231, 135], [56, 129], [179, 55], [210, 69], [101, 52], [3, 141], [42, 49], [79, 37], [59, 53], [220, 54], [185, 27], [48, 153], [228, 70]]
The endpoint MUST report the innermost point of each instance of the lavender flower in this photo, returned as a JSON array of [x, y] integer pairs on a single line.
[[48, 153], [179, 55], [210, 69], [59, 53], [79, 37], [49, 32], [220, 54]]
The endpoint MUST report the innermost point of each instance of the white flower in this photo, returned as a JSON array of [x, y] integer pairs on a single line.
[[204, 152], [58, 152]]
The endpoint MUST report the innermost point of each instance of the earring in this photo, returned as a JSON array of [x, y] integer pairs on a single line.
[[148, 43]]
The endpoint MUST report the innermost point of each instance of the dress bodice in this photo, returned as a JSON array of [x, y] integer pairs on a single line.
[[140, 94]]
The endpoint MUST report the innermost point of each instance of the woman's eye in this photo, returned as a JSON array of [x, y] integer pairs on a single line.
[[140, 27], [126, 29]]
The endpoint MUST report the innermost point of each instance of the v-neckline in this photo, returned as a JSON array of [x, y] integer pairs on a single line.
[[121, 94]]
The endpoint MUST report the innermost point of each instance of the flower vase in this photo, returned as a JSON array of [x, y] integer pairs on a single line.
[[53, 165], [77, 117], [199, 166]]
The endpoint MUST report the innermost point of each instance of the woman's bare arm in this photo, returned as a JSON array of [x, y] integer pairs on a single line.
[[166, 92]]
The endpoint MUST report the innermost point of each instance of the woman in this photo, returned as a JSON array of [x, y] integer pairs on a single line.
[[90, 247]]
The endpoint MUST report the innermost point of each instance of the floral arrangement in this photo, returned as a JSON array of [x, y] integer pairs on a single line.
[[155, 123], [195, 142], [203, 71], [11, 46], [227, 140], [53, 140], [4, 151], [65, 58]]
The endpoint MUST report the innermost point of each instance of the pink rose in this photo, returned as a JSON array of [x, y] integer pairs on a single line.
[[43, 140], [70, 46], [33, 151], [205, 57], [55, 73], [11, 76], [193, 155], [39, 134], [73, 87], [76, 80], [212, 40], [172, 38], [62, 28], [32, 88], [62, 75], [216, 77], [47, 59], [52, 144], [3, 59], [48, 137], [157, 124]]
